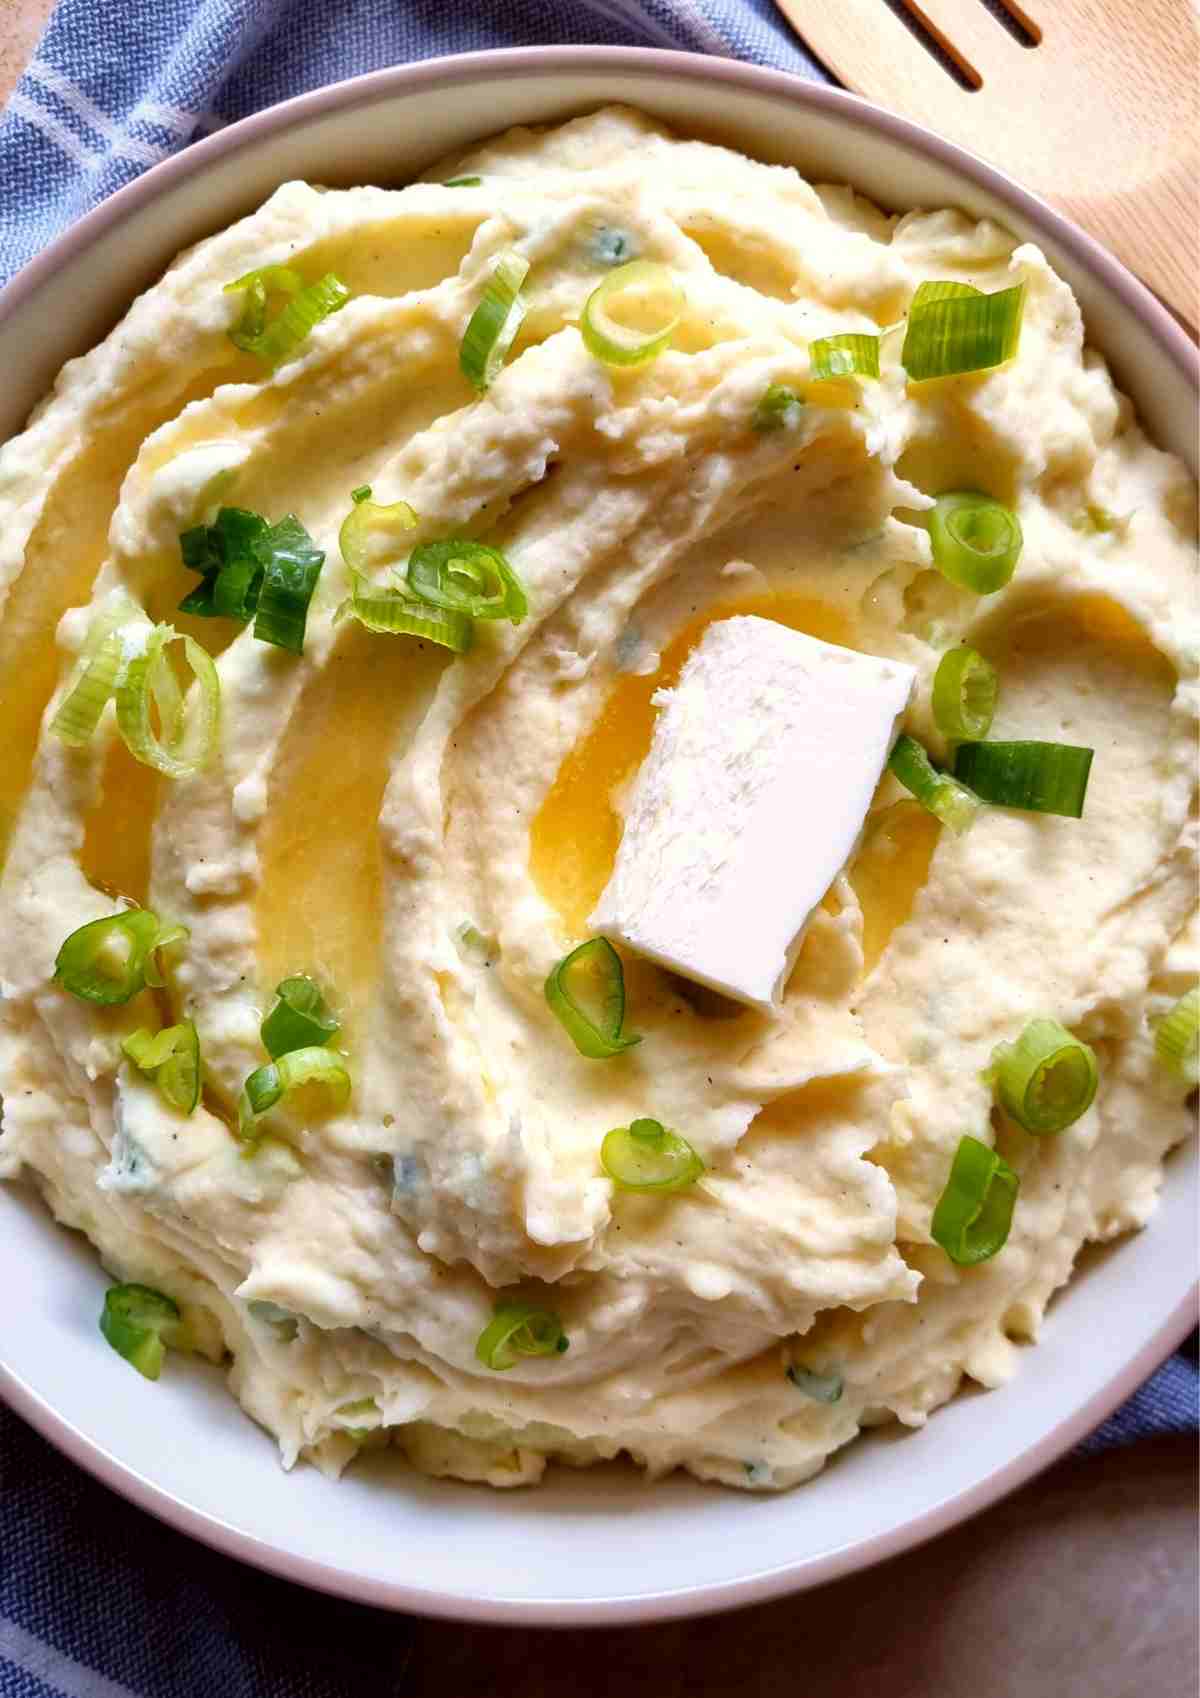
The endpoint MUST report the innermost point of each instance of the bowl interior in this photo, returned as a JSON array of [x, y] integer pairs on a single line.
[[597, 1545]]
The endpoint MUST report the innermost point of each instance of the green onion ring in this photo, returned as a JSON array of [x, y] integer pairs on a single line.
[[139, 1323], [187, 734], [945, 798], [369, 527], [976, 542], [172, 1059], [1046, 1079], [1177, 1038], [391, 613], [846, 355], [644, 1156], [964, 694], [974, 1213], [468, 578], [493, 326], [305, 307], [617, 344], [779, 408], [1040, 778], [516, 1330], [110, 960], [266, 1086], [300, 1018], [953, 328], [593, 972]]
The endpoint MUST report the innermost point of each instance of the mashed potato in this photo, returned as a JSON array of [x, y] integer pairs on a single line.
[[375, 795]]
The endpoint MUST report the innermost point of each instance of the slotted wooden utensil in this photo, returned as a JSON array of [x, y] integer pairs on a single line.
[[1097, 108]]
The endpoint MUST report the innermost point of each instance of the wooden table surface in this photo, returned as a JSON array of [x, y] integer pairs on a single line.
[[1083, 1585]]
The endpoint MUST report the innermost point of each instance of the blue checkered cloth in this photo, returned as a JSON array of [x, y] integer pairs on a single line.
[[97, 1600]]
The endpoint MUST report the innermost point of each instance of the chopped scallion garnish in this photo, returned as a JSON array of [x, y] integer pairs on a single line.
[[462, 182], [254, 570], [779, 409], [964, 694], [1041, 778], [516, 1330], [655, 291], [1046, 1079], [392, 613], [976, 541], [300, 1018], [175, 733], [493, 326], [266, 1086], [466, 577], [112, 959], [974, 1213], [305, 305], [369, 531], [948, 800], [644, 1156], [1177, 1038], [92, 683], [824, 1388], [172, 1059], [847, 355], [139, 1323], [954, 328], [291, 565], [586, 991]]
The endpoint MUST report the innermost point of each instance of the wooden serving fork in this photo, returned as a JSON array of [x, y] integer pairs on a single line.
[[1092, 104]]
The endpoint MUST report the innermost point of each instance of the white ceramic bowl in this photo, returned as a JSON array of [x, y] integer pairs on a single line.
[[597, 1546]]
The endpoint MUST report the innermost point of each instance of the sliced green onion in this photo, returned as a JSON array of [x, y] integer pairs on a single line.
[[474, 945], [139, 1323], [779, 408], [167, 935], [517, 1330], [1177, 1038], [172, 1059], [644, 1156], [188, 728], [306, 306], [394, 614], [964, 694], [231, 572], [112, 959], [620, 344], [586, 991], [976, 541], [462, 182], [847, 355], [299, 1019], [492, 327], [974, 1213], [291, 565], [954, 328], [1046, 1079], [948, 800], [88, 693], [369, 527], [1042, 778], [466, 577], [824, 1388], [266, 1086]]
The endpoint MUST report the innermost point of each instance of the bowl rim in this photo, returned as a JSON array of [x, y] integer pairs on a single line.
[[1135, 298]]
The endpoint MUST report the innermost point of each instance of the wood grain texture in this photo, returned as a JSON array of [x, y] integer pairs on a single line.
[[1101, 117]]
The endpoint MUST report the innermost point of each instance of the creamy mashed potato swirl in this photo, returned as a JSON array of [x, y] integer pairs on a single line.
[[376, 794]]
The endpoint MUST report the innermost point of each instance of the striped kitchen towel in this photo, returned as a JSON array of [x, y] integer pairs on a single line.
[[97, 1599]]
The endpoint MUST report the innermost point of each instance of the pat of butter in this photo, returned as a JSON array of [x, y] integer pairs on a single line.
[[764, 761]]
